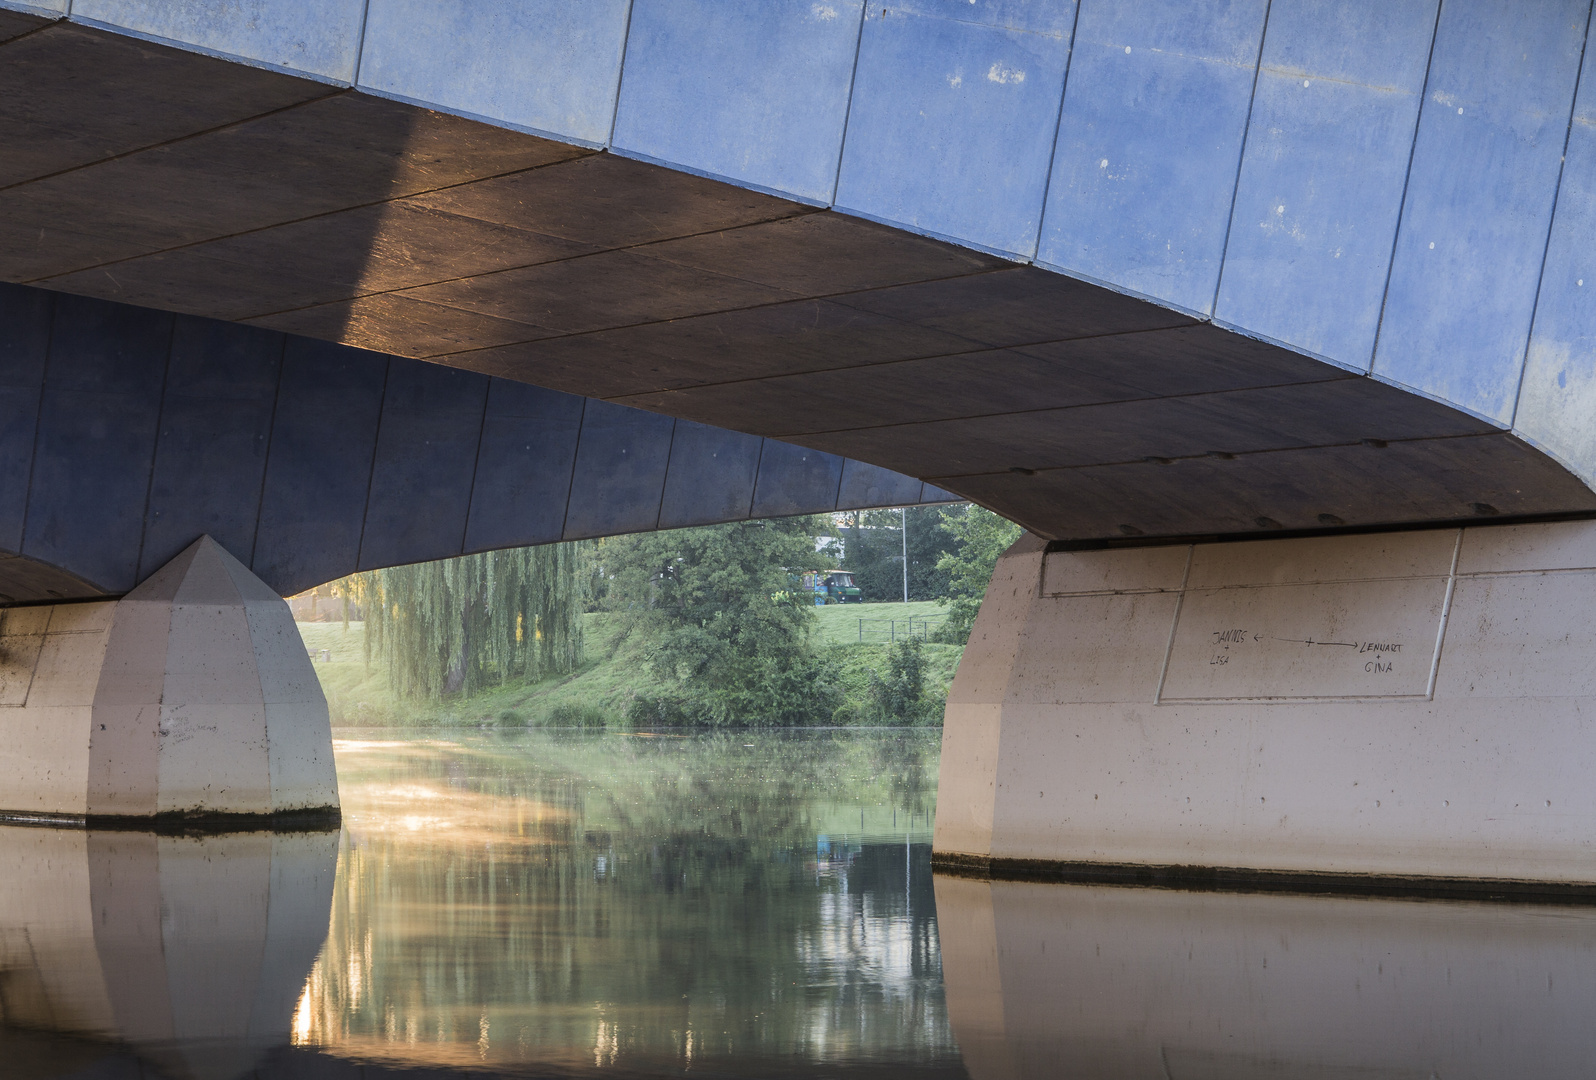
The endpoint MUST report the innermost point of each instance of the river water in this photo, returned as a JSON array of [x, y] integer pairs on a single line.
[[570, 904]]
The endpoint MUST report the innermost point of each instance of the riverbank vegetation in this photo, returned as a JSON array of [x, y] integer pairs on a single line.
[[692, 627]]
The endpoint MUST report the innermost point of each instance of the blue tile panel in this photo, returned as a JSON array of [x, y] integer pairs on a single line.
[[523, 475], [755, 93], [1149, 143], [308, 37], [871, 485], [210, 458], [620, 471], [96, 440], [550, 66], [318, 472], [711, 477], [1557, 403], [1484, 177], [1321, 179], [793, 480], [25, 315], [426, 462], [954, 110]]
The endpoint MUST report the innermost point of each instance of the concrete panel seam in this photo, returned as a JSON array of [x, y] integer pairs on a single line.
[[1446, 612], [189, 47], [1551, 224], [38, 416], [1174, 624], [1237, 328], [1413, 146], [160, 145], [360, 41], [633, 155], [665, 477], [155, 451], [1058, 121], [847, 109], [620, 78], [1241, 156], [970, 245], [33, 9], [465, 114], [753, 494], [476, 466], [371, 474], [1398, 384], [576, 455], [1199, 316], [266, 463]]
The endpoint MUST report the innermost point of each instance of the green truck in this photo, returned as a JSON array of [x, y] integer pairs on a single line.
[[828, 586]]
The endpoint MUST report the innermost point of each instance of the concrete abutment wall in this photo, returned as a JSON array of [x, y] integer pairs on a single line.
[[1410, 705]]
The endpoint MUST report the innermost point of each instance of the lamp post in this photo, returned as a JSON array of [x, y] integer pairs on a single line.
[[903, 527]]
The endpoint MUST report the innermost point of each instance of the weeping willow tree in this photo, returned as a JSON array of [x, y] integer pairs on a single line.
[[456, 625]]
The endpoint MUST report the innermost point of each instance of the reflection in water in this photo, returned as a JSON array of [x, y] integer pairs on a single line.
[[755, 905], [1054, 980], [187, 951], [653, 905]]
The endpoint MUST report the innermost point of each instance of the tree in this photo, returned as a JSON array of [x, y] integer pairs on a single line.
[[873, 550], [454, 625], [981, 537], [721, 621], [900, 698]]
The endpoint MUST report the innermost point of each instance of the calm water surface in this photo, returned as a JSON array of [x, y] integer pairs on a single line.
[[568, 904]]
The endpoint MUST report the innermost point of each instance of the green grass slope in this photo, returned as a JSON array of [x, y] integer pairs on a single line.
[[613, 675]]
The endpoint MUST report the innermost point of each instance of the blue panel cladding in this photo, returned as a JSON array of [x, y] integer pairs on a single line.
[[426, 462], [318, 468], [309, 37], [210, 455], [1557, 401], [1149, 143], [955, 105], [25, 314], [871, 485], [755, 93], [1321, 180], [1480, 193], [96, 441], [548, 66], [711, 477], [620, 471], [529, 438], [793, 480]]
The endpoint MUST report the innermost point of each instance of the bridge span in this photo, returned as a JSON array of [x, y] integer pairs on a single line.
[[1152, 278]]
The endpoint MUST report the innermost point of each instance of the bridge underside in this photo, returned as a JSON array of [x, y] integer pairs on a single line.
[[144, 174]]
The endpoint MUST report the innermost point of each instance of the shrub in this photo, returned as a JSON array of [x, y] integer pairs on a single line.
[[572, 714], [900, 697]]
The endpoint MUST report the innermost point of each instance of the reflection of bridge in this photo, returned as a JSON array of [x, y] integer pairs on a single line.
[[1128, 273]]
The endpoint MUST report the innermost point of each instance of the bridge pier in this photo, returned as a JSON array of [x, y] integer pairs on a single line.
[[1399, 711], [191, 701]]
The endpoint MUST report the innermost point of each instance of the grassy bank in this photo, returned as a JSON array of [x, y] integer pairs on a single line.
[[613, 675]]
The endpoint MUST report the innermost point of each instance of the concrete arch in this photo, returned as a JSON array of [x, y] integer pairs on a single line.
[[1323, 259], [128, 432]]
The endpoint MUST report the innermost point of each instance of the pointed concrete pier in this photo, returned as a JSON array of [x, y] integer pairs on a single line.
[[190, 701]]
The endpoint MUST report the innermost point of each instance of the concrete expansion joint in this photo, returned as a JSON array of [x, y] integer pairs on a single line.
[[1235, 879], [316, 819]]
